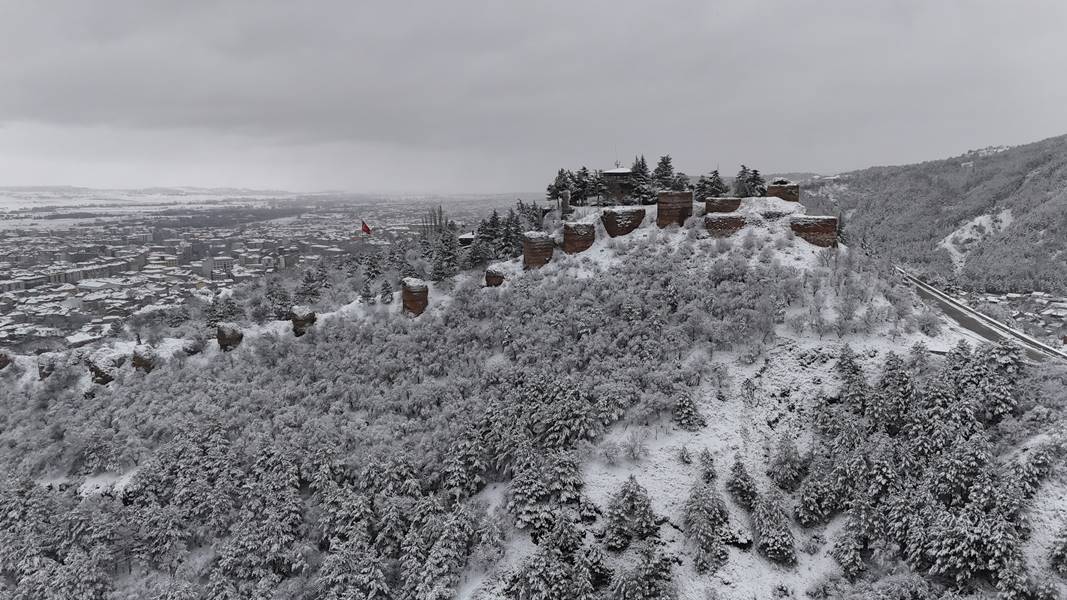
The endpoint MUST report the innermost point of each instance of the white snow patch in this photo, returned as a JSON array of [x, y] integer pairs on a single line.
[[961, 241]]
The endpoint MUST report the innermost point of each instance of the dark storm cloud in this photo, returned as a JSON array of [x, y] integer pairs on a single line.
[[364, 94]]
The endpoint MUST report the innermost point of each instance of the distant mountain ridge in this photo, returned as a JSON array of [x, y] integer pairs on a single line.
[[991, 219]]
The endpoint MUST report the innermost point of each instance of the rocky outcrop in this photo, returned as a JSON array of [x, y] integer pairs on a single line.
[[817, 230], [303, 318], [578, 237], [229, 336], [622, 220], [721, 205], [537, 248], [5, 360], [723, 224], [144, 358], [787, 191], [46, 365], [415, 295], [494, 276], [673, 208], [103, 364]]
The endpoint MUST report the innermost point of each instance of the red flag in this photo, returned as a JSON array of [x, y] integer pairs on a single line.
[[366, 228]]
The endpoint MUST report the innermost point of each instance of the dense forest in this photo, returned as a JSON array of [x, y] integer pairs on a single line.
[[905, 212], [359, 461]]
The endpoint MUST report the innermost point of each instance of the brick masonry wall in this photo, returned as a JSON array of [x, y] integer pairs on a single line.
[[537, 250], [723, 224], [622, 221], [721, 205], [415, 295], [673, 208], [493, 278], [578, 237], [821, 231], [789, 192]]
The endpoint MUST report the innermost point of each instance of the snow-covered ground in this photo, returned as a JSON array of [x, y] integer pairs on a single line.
[[960, 242]]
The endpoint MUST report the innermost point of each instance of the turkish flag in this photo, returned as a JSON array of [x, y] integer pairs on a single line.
[[366, 228]]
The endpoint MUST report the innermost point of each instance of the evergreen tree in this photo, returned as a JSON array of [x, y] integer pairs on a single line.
[[511, 237], [309, 289], [663, 174], [707, 466], [756, 185], [564, 181], [680, 182], [629, 516], [741, 485], [366, 293], [584, 187], [650, 579], [386, 292], [787, 468], [710, 186], [446, 256], [773, 537], [687, 415], [642, 189], [741, 183], [222, 310], [705, 517]]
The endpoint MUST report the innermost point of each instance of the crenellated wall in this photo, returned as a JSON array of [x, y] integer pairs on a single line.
[[623, 220], [415, 295], [673, 208], [818, 230], [722, 225], [537, 248], [721, 205], [578, 237]]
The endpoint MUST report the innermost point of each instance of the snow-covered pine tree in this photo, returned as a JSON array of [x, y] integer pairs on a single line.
[[707, 466], [680, 182], [663, 174], [687, 415], [309, 289], [510, 237], [366, 293], [756, 184], [741, 183], [787, 468], [642, 189], [705, 516], [584, 187], [770, 524], [446, 256], [629, 516], [650, 579], [385, 292], [741, 485]]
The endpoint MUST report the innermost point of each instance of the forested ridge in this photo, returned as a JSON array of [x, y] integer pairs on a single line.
[[903, 212], [358, 460]]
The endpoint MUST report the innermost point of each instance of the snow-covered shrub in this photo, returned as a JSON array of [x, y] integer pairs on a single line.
[[634, 445], [611, 451], [687, 415], [704, 517], [629, 516], [787, 467], [684, 456], [770, 526], [741, 485]]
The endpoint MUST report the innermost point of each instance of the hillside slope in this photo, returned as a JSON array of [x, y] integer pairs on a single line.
[[993, 219], [526, 442]]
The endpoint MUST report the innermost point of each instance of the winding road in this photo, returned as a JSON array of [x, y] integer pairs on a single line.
[[980, 324]]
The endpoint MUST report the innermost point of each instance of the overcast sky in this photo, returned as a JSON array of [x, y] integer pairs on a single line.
[[463, 96]]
